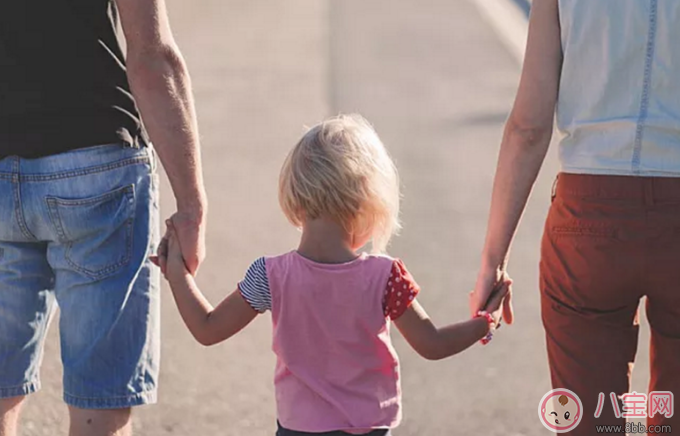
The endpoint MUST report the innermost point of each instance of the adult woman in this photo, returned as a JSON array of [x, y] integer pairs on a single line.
[[609, 68]]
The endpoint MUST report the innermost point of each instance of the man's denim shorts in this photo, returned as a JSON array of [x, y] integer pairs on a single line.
[[77, 229]]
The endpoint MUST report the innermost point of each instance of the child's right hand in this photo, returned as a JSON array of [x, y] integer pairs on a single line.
[[494, 305]]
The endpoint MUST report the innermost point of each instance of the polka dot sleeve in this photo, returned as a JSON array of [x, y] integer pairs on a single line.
[[401, 290]]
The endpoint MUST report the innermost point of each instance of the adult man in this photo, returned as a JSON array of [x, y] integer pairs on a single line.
[[78, 199]]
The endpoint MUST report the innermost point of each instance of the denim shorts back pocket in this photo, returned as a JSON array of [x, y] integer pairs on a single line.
[[96, 232]]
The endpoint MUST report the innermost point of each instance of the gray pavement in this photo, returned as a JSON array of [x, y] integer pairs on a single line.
[[438, 85]]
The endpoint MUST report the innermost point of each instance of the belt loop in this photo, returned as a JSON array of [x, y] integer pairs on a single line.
[[649, 191], [154, 158], [553, 192], [16, 169]]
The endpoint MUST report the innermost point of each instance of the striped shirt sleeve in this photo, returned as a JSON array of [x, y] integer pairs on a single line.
[[255, 287]]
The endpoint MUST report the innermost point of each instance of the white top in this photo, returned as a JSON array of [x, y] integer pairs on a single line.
[[619, 104]]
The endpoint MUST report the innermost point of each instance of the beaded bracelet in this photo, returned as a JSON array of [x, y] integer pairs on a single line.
[[492, 326]]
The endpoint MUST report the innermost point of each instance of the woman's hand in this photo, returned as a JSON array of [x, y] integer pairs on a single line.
[[491, 282], [495, 305]]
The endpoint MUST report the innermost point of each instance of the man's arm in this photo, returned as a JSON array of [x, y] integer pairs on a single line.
[[162, 89]]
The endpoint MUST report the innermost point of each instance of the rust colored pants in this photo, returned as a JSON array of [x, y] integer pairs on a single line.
[[608, 242]]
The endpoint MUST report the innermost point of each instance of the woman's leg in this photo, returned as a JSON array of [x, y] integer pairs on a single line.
[[664, 321], [591, 280], [589, 353], [663, 304]]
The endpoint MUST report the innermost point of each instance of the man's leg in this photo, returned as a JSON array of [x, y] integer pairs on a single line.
[[9, 415], [107, 288], [25, 308], [111, 422]]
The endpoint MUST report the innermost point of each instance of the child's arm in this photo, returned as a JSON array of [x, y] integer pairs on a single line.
[[209, 326], [438, 343]]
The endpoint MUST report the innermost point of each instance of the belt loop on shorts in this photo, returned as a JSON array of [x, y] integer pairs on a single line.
[[649, 191], [553, 192], [153, 157], [16, 169]]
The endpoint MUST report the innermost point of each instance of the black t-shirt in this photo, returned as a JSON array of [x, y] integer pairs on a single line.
[[63, 83]]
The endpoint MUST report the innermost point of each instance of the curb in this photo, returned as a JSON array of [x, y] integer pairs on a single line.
[[524, 5]]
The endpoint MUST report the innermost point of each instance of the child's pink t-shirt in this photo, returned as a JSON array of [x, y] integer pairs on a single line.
[[336, 368]]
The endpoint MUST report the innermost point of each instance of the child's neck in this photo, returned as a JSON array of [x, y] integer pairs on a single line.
[[325, 241]]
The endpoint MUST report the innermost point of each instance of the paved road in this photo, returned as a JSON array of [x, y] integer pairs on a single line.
[[438, 85]]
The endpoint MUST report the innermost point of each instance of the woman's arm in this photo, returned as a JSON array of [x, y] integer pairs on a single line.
[[525, 143]]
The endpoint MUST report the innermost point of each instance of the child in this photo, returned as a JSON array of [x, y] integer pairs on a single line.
[[336, 372]]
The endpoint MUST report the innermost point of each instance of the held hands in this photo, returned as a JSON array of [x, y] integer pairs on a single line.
[[491, 283], [496, 303], [189, 228], [189, 231], [170, 257]]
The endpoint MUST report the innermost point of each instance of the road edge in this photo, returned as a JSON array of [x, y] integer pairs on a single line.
[[509, 19]]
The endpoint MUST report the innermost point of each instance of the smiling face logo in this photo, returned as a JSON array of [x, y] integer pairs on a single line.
[[560, 410]]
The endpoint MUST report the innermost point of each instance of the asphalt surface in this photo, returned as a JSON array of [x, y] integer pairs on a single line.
[[438, 85]]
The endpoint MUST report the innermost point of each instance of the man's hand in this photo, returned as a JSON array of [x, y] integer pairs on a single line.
[[189, 229], [488, 282], [176, 268]]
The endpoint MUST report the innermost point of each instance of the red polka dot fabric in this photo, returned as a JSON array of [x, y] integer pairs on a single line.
[[401, 290]]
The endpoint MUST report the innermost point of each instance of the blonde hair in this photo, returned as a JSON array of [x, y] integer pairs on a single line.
[[340, 169]]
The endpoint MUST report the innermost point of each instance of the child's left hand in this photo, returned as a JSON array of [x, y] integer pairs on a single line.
[[174, 262]]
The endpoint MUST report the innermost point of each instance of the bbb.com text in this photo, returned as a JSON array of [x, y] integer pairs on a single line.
[[633, 428]]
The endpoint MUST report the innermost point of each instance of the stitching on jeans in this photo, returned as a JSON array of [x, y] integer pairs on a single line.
[[21, 386], [22, 389], [53, 203], [644, 104], [80, 172], [103, 272], [18, 206], [124, 191], [54, 216]]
